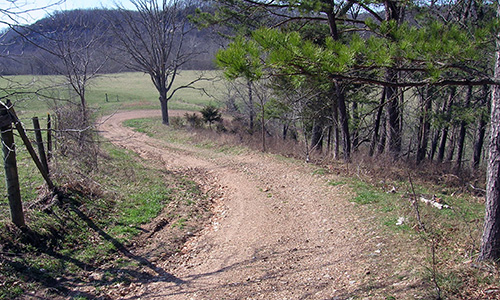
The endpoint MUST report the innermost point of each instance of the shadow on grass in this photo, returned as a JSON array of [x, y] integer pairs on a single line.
[[56, 285]]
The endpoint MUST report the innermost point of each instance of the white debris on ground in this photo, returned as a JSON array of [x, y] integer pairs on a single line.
[[435, 202]]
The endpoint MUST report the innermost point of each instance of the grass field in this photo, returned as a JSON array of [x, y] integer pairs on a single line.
[[123, 90]]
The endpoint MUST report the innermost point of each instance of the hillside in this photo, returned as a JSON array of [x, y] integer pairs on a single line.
[[20, 57]]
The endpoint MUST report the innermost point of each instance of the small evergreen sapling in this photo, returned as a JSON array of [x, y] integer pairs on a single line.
[[211, 114]]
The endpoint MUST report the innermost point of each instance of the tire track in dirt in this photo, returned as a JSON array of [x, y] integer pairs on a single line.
[[280, 232]]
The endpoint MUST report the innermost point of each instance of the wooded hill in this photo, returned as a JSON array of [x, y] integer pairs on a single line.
[[20, 57]]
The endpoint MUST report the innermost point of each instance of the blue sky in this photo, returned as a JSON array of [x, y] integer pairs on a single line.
[[28, 11]]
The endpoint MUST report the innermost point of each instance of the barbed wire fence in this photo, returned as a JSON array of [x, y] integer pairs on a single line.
[[67, 152]]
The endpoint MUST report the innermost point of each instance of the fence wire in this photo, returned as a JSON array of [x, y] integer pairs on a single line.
[[71, 145]]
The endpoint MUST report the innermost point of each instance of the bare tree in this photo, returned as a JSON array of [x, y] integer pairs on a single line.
[[17, 11], [154, 37], [76, 50], [72, 49]]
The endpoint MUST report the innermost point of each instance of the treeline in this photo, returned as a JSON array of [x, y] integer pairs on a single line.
[[23, 49], [407, 80]]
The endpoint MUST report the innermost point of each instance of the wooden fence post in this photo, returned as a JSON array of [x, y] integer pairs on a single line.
[[49, 137], [10, 165], [27, 143], [39, 143]]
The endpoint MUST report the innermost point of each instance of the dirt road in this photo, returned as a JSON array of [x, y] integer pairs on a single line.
[[280, 232]]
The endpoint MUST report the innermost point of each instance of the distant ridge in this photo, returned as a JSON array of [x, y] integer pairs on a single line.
[[19, 57]]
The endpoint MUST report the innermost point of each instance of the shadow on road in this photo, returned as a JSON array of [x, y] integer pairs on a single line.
[[285, 282]]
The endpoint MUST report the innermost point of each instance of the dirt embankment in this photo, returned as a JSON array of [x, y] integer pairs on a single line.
[[279, 231]]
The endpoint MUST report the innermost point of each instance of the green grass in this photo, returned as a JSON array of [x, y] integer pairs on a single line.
[[154, 128], [144, 205], [337, 183], [366, 194], [320, 171], [219, 148], [391, 206], [124, 91], [455, 231], [30, 179], [180, 223], [138, 125], [87, 231]]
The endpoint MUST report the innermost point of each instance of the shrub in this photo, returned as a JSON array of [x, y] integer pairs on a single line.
[[193, 120], [177, 122], [211, 114], [220, 127], [75, 140]]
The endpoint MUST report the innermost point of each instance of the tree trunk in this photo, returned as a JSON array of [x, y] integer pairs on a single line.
[[425, 125], [463, 131], [344, 121], [451, 145], [478, 145], [490, 243], [342, 109], [437, 132], [83, 105], [442, 145], [383, 136], [434, 143], [376, 126], [251, 112], [317, 137], [336, 151], [393, 116], [444, 136], [164, 110], [285, 131], [263, 127], [481, 130], [401, 110], [337, 143], [394, 128], [355, 129], [329, 140]]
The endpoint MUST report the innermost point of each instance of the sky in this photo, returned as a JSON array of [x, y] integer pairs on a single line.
[[29, 11]]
